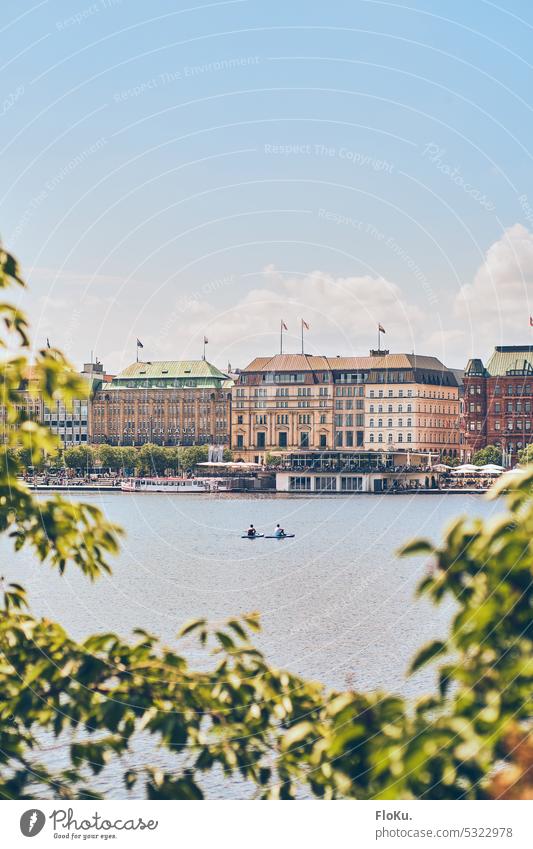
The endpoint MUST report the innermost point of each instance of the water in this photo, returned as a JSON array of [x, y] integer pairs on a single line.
[[337, 605]]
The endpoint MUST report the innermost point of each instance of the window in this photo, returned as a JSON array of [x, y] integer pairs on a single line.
[[352, 484], [304, 440], [261, 439], [409, 437], [297, 484], [240, 440], [338, 439], [323, 440], [349, 439], [282, 439], [326, 484]]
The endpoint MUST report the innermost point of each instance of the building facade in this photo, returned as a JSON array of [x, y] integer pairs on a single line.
[[29, 404], [381, 402], [166, 403], [498, 401], [412, 402]]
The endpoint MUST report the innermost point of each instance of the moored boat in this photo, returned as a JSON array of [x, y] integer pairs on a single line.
[[175, 485]]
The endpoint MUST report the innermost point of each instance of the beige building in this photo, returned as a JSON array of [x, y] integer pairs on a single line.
[[297, 402], [412, 402], [281, 403]]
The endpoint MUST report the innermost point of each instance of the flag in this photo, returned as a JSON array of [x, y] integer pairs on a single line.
[[381, 328], [283, 325], [206, 340], [305, 324], [139, 344], [47, 342], [531, 321]]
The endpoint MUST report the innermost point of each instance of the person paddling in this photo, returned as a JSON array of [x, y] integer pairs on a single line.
[[279, 532], [251, 531]]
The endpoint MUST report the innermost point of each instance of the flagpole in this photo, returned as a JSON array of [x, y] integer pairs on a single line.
[[302, 335], [379, 339], [204, 350], [281, 337]]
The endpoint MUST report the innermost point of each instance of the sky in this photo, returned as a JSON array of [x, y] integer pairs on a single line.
[[171, 171]]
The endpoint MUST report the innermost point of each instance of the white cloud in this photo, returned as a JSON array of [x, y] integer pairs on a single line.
[[498, 302], [343, 313]]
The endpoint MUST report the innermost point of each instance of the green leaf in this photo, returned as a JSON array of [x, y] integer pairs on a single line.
[[426, 654]]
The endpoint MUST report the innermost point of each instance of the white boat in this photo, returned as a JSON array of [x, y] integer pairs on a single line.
[[177, 485]]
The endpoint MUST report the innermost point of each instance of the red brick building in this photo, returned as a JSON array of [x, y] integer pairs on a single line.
[[498, 401]]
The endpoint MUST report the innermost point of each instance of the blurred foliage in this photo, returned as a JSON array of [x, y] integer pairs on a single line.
[[489, 454], [283, 735]]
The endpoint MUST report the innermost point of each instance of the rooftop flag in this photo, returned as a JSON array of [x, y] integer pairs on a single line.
[[381, 328]]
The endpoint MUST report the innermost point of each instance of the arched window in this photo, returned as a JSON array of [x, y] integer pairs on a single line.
[[400, 437], [409, 437], [380, 437], [371, 437], [389, 423], [380, 422]]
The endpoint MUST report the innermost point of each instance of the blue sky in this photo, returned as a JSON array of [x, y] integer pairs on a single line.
[[214, 167]]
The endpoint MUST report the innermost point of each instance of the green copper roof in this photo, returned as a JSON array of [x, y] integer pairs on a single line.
[[171, 368], [509, 358], [170, 373]]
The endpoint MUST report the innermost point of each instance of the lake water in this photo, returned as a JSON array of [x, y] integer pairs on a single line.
[[336, 603]]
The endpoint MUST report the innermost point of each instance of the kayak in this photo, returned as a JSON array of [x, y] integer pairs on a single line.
[[284, 536], [245, 536]]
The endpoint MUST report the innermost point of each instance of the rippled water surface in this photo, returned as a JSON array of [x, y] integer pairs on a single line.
[[336, 603]]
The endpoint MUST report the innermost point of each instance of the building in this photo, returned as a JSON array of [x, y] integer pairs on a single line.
[[71, 423], [281, 403], [29, 404], [411, 401], [381, 402], [357, 471], [167, 403], [498, 399]]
